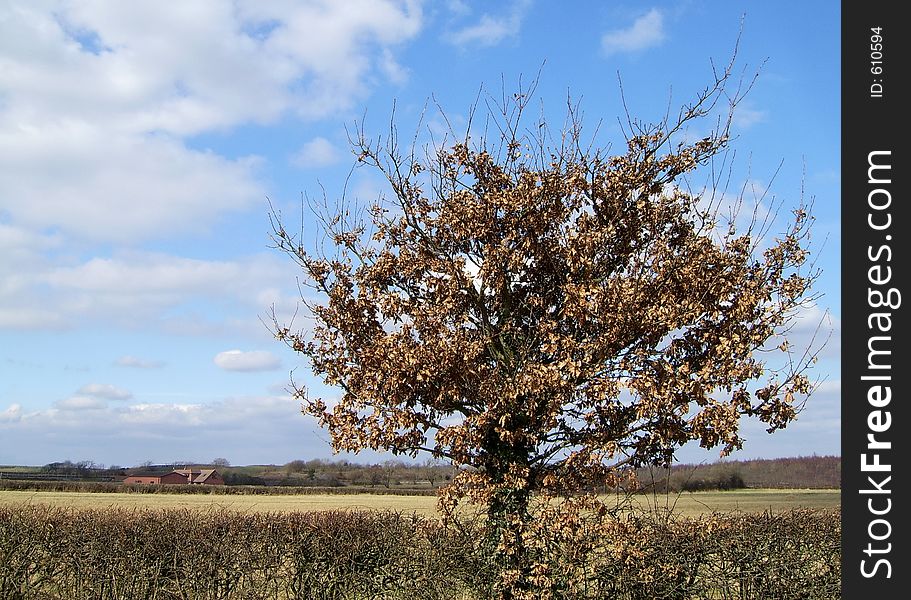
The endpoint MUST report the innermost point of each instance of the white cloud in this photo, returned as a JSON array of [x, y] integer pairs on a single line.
[[812, 316], [645, 32], [140, 289], [23, 257], [184, 68], [122, 188], [746, 116], [150, 275], [138, 363], [458, 7], [491, 30], [81, 403], [25, 318], [20, 244], [99, 99], [392, 69], [104, 390], [99, 106], [249, 429], [318, 152], [12, 414], [829, 388], [816, 329], [256, 360], [231, 413]]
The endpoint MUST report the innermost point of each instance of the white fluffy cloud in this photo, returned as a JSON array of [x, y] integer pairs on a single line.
[[645, 32], [140, 289], [89, 397], [100, 112], [183, 68], [123, 188], [100, 99], [238, 360]]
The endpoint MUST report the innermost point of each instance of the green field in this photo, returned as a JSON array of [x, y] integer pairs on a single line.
[[748, 500], [685, 503]]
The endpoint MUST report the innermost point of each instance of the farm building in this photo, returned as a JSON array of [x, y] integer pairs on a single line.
[[178, 476]]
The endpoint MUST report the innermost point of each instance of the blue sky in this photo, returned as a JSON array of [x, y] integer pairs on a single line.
[[141, 142]]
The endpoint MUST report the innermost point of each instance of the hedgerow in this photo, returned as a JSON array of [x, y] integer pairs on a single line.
[[59, 553]]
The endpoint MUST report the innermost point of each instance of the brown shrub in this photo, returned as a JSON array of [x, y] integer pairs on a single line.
[[183, 554]]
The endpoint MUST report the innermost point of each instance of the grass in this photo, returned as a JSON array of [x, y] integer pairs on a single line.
[[686, 503], [692, 504]]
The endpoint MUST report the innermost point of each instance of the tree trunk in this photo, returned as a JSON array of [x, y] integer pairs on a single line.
[[508, 517]]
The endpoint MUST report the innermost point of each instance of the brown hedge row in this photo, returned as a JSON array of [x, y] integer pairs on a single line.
[[55, 553]]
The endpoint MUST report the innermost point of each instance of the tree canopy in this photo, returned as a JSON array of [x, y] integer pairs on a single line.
[[547, 314]]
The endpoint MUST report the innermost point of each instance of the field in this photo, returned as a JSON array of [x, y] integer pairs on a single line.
[[749, 500], [423, 505], [685, 504]]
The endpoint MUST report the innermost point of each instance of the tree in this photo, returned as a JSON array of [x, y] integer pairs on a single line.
[[430, 471], [295, 466], [549, 316], [221, 462]]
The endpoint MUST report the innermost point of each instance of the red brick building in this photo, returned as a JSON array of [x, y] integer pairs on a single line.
[[178, 476]]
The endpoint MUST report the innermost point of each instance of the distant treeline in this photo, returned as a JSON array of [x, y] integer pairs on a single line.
[[297, 476], [32, 485], [805, 472], [301, 476]]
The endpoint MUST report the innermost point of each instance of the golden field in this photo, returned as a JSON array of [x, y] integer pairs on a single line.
[[686, 503]]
